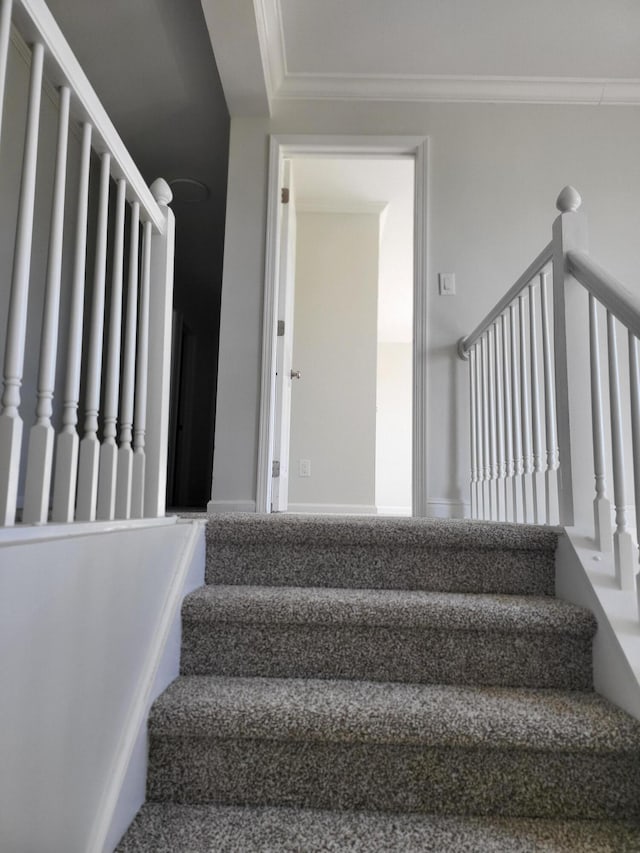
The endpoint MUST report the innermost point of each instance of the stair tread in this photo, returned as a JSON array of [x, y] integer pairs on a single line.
[[389, 608], [275, 528], [168, 827], [374, 712]]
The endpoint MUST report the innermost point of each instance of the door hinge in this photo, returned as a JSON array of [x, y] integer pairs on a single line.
[[275, 468], [284, 195], [281, 328]]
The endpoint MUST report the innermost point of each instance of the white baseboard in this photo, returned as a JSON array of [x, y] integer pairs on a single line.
[[230, 506], [446, 508], [394, 510], [333, 509]]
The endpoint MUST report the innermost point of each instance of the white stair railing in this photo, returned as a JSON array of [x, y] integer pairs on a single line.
[[94, 477], [545, 451]]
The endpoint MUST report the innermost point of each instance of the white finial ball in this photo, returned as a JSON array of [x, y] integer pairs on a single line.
[[569, 200], [161, 191]]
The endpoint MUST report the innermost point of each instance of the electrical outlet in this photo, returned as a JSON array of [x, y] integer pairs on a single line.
[[304, 468]]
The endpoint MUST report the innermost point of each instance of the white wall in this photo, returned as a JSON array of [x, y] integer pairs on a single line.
[[333, 406], [494, 174], [80, 624], [393, 428]]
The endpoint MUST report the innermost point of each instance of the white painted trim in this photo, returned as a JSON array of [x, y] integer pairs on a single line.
[[463, 88], [143, 697], [24, 534], [355, 206], [214, 507], [394, 510], [271, 43], [350, 146], [333, 509], [35, 23], [446, 508]]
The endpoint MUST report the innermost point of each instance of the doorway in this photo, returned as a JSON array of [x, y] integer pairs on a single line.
[[368, 376]]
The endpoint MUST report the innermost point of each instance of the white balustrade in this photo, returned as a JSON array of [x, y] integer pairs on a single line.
[[5, 32], [10, 420], [551, 431], [536, 423], [493, 444], [634, 383], [508, 423], [501, 464], [486, 438], [88, 465], [601, 503], [92, 481], [108, 459], [125, 451], [525, 415], [479, 432], [41, 439], [623, 544], [473, 434], [140, 412], [66, 474], [518, 482]]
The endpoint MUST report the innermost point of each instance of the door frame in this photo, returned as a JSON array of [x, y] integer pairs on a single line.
[[281, 147]]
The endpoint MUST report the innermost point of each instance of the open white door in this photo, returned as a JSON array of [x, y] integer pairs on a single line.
[[284, 349]]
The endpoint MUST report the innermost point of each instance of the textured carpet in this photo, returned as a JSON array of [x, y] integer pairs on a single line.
[[385, 684]]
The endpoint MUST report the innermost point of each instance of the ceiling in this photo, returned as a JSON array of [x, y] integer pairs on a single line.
[[558, 51]]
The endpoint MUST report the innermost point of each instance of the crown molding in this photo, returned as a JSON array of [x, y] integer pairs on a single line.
[[436, 88], [271, 42]]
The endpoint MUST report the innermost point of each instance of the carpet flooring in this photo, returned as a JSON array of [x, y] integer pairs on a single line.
[[385, 684]]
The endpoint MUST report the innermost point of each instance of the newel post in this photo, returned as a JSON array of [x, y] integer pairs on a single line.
[[159, 363], [569, 233]]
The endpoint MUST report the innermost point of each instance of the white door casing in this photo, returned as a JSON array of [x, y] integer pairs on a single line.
[[282, 147], [284, 345]]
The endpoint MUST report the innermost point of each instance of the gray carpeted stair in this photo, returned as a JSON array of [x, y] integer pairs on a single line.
[[383, 684]]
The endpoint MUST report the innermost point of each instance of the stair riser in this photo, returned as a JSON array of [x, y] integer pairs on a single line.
[[511, 572], [384, 777], [387, 654]]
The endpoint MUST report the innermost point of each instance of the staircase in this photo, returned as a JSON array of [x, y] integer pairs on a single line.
[[385, 684]]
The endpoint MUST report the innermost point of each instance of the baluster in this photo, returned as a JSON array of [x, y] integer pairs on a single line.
[[601, 503], [10, 420], [125, 452], [518, 484], [108, 450], [508, 424], [89, 446], [472, 415], [493, 445], [634, 383], [479, 432], [500, 457], [5, 32], [525, 413], [551, 430], [623, 544], [140, 416], [536, 427], [486, 474], [64, 487], [41, 438]]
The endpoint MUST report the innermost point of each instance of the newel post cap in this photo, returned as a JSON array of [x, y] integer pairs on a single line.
[[161, 191], [569, 200]]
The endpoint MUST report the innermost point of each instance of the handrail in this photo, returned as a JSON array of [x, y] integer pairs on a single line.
[[37, 24], [536, 266], [613, 295]]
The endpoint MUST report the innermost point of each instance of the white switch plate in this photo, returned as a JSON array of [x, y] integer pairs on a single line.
[[304, 468], [447, 283]]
